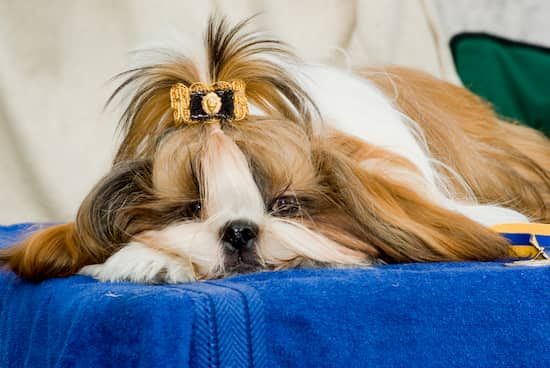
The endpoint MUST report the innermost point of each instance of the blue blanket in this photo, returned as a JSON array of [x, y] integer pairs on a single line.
[[416, 315]]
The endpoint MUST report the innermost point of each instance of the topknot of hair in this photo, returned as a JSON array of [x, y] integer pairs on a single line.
[[232, 53]]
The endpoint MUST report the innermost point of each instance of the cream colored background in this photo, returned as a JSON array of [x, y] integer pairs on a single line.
[[56, 58]]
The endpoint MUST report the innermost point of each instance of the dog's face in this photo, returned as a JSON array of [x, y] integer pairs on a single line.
[[254, 197], [232, 199]]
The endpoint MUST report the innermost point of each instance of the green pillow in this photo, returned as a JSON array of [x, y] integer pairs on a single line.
[[513, 76]]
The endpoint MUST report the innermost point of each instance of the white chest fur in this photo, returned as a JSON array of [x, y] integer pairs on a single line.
[[356, 107]]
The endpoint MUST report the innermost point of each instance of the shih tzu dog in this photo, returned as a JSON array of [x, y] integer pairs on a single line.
[[253, 160]]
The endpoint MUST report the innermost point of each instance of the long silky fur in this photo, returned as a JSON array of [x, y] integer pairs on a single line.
[[400, 224], [502, 163], [156, 174]]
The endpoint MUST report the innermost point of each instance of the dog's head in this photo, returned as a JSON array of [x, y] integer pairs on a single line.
[[232, 196], [274, 189]]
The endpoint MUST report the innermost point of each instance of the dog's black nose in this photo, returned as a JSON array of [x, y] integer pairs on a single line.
[[239, 235]]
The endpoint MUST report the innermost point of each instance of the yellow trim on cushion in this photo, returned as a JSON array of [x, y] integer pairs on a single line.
[[531, 249], [531, 228], [523, 251]]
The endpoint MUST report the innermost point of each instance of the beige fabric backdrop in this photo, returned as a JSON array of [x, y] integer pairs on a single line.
[[56, 59]]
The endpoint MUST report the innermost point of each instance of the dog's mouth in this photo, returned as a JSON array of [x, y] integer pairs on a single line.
[[242, 262]]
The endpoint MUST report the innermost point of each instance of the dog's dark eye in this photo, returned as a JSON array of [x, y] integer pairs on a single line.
[[285, 206], [195, 209], [191, 210]]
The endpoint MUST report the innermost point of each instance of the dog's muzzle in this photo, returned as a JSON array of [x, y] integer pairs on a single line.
[[239, 235], [239, 243]]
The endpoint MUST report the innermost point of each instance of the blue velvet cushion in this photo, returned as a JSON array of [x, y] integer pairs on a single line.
[[416, 315]]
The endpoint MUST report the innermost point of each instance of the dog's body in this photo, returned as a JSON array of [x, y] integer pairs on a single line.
[[331, 168]]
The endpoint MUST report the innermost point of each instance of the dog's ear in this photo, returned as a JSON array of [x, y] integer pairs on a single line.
[[400, 223], [107, 217], [103, 225]]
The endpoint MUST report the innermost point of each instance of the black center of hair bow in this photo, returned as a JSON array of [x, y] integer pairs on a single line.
[[200, 103]]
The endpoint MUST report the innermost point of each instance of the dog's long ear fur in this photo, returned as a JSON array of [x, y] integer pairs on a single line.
[[108, 216], [106, 220], [401, 224]]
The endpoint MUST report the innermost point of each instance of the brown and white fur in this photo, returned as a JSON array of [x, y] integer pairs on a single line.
[[332, 168]]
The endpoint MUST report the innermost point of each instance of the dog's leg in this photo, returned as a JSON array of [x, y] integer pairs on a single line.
[[138, 263]]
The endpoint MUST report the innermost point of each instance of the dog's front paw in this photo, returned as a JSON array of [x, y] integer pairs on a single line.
[[138, 263]]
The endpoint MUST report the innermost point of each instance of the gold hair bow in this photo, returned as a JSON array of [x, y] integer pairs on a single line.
[[200, 103]]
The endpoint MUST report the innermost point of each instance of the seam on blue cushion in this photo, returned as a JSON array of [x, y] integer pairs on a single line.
[[247, 320], [211, 322], [207, 322], [212, 353], [231, 317], [254, 321], [248, 332]]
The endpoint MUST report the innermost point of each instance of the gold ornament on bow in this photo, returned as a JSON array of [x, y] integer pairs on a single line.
[[200, 103]]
